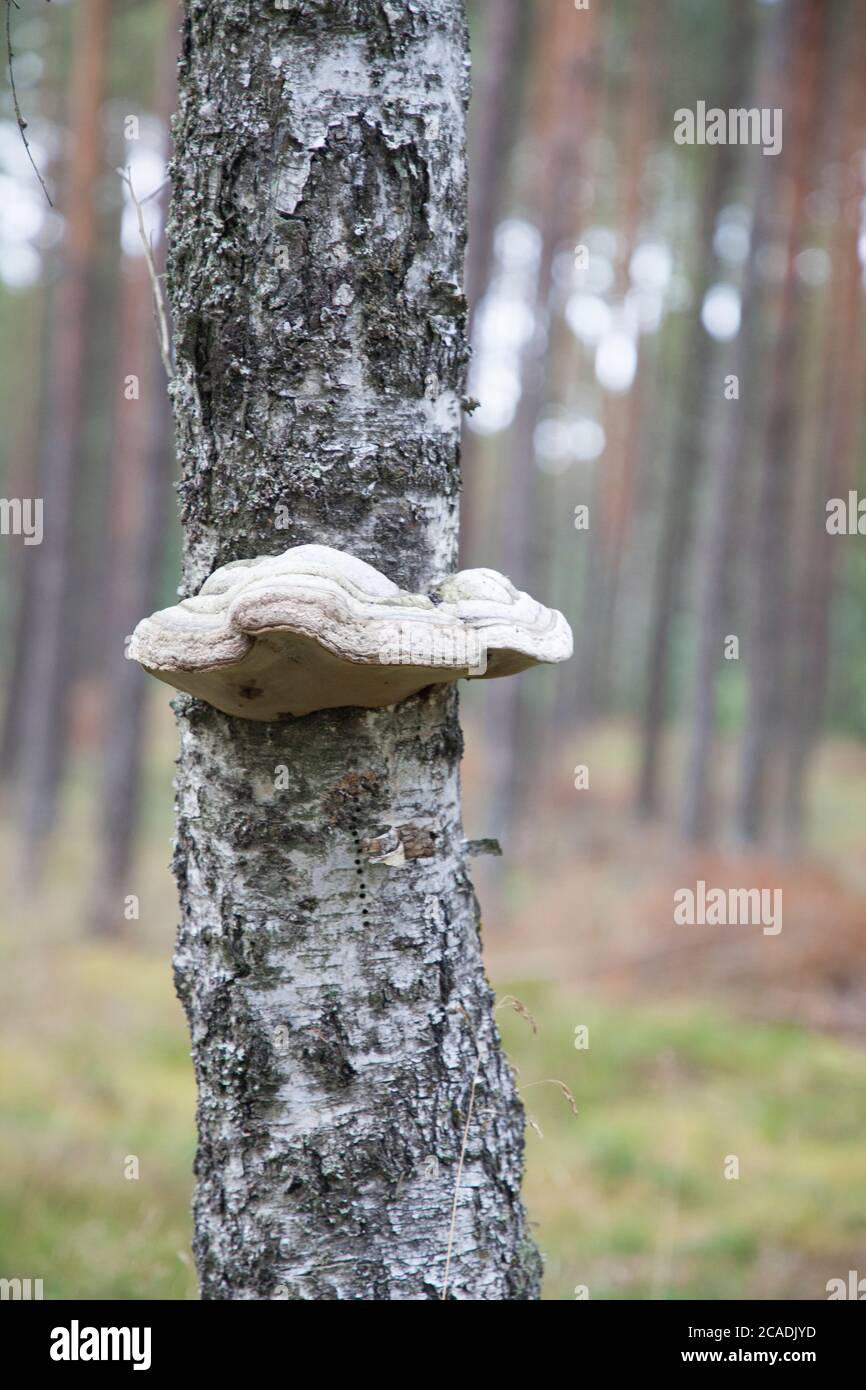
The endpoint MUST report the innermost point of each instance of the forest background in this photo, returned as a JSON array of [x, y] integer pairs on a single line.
[[668, 364]]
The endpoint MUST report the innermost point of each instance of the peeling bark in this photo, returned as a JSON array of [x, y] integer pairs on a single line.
[[338, 1007]]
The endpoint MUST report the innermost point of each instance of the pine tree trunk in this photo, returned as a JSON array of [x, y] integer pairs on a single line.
[[719, 543], [342, 1027], [613, 499], [840, 410], [494, 109], [558, 121], [493, 121], [30, 347], [721, 539], [770, 635], [48, 656], [699, 375], [140, 476]]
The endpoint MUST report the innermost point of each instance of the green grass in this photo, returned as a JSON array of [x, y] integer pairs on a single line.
[[100, 1074], [630, 1197]]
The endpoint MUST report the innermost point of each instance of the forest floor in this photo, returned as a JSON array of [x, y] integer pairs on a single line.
[[751, 1047]]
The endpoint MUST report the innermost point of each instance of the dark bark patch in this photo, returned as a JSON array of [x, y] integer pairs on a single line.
[[354, 799], [325, 1051]]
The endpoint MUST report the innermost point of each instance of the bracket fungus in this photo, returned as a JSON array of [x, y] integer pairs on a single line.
[[315, 628]]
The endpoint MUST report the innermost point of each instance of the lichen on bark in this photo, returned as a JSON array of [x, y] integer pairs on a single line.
[[338, 1007]]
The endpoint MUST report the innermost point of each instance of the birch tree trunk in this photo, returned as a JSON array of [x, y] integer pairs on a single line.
[[343, 1032]]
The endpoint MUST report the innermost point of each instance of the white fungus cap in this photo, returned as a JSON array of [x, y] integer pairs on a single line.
[[314, 628]]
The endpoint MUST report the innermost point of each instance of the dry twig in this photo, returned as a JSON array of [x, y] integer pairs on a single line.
[[22, 124], [159, 309]]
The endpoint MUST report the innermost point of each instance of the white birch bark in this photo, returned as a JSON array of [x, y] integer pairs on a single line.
[[341, 1023]]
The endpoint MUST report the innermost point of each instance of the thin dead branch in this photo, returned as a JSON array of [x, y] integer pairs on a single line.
[[159, 309], [22, 124]]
